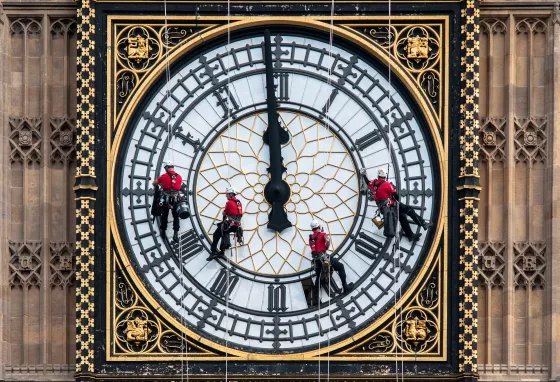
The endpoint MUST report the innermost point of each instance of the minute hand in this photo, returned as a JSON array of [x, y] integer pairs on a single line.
[[277, 191]]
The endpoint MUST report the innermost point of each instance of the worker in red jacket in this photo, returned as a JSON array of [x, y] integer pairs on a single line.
[[232, 214], [170, 183], [320, 242], [386, 198]]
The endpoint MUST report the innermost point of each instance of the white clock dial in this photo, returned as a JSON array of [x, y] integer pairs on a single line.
[[342, 115]]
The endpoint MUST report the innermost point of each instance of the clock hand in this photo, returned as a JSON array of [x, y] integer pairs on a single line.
[[277, 191]]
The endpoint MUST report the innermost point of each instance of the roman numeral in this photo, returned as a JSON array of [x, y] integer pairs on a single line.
[[224, 102], [187, 138], [277, 298], [368, 246], [368, 140], [330, 101], [220, 286], [188, 245], [283, 83]]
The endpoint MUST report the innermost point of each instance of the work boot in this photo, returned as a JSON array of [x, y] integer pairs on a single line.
[[415, 237], [426, 225], [162, 232], [212, 256], [347, 287], [176, 236]]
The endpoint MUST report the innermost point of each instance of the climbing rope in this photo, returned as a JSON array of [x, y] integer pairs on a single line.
[[228, 258], [171, 149], [398, 312]]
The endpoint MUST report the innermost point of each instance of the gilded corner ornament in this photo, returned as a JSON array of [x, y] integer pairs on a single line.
[[417, 49], [414, 330], [140, 47], [138, 331]]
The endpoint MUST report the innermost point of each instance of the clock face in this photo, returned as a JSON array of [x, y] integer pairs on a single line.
[[341, 115]]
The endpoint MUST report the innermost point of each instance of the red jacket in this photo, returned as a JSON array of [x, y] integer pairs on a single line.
[[233, 208], [381, 190], [170, 180], [317, 242]]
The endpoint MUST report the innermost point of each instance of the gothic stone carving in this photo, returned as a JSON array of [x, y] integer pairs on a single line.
[[493, 137], [492, 264], [62, 139], [64, 27], [25, 140], [530, 140], [62, 264], [529, 264], [25, 26], [25, 264]]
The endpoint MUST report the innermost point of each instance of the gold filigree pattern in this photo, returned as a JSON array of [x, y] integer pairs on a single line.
[[137, 330], [469, 189], [85, 189], [139, 48], [239, 157], [170, 344], [414, 330], [417, 331], [417, 48]]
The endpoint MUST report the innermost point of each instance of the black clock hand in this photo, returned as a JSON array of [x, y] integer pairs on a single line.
[[277, 191]]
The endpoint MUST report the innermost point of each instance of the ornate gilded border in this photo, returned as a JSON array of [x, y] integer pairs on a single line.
[[85, 189], [417, 48], [118, 118], [469, 187]]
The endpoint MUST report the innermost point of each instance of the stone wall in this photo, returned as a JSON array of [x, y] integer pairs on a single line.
[[37, 164], [518, 91], [519, 290]]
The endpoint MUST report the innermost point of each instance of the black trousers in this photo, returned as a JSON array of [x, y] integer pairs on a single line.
[[220, 233], [404, 212], [337, 266], [165, 215]]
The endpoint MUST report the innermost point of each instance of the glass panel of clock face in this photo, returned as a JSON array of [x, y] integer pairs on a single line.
[[341, 115]]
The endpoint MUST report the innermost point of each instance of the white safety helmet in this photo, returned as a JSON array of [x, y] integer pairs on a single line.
[[168, 163], [230, 190], [314, 224], [381, 173]]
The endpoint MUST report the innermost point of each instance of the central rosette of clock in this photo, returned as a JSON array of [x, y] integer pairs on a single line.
[[320, 177]]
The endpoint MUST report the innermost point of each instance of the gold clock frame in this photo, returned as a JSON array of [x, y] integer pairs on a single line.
[[116, 123]]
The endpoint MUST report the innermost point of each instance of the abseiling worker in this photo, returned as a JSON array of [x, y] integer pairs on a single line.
[[320, 242], [387, 198], [170, 183], [232, 213]]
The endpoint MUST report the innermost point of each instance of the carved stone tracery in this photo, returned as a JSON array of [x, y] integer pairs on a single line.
[[529, 264], [530, 140], [25, 26], [64, 27], [25, 264], [62, 264], [62, 140], [493, 138], [491, 264], [25, 140]]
